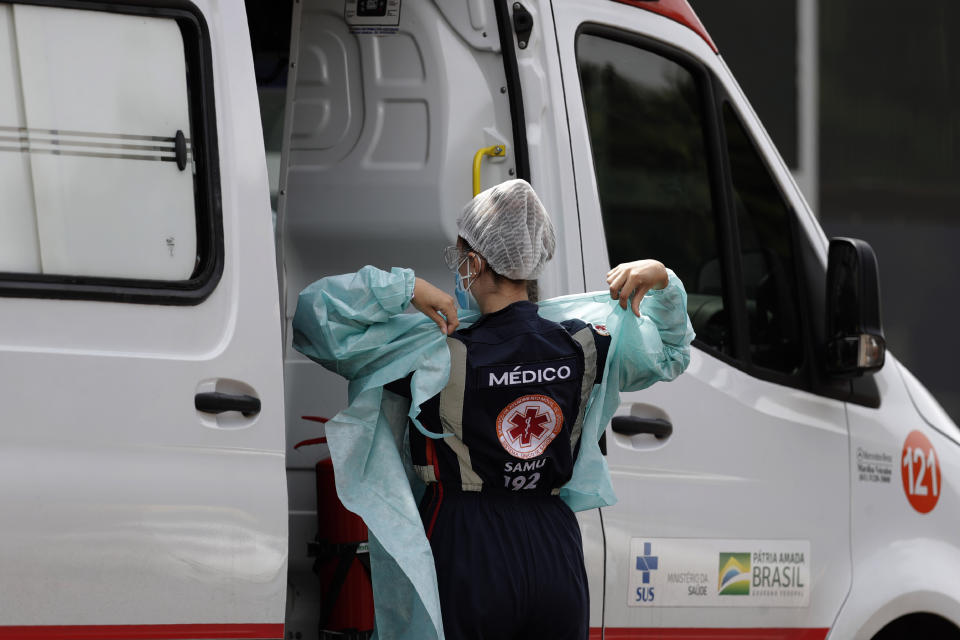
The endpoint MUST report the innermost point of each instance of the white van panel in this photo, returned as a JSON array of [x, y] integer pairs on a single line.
[[905, 561], [123, 503], [739, 464], [746, 458]]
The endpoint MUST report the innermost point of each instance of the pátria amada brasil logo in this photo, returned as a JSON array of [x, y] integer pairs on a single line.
[[734, 574]]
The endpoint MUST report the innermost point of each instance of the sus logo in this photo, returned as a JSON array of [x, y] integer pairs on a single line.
[[528, 425]]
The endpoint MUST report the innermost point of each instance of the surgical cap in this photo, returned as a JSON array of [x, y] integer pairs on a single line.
[[508, 225]]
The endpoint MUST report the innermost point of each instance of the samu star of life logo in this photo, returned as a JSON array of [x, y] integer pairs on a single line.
[[528, 424]]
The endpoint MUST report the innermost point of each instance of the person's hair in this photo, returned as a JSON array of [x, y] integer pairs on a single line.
[[533, 288]]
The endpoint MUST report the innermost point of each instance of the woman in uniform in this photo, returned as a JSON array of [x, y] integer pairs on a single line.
[[502, 436]]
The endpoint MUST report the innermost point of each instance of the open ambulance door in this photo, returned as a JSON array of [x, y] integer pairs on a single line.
[[733, 480], [387, 107], [141, 453]]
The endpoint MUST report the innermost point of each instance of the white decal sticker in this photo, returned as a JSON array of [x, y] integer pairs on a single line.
[[372, 17], [874, 466], [692, 572], [920, 472]]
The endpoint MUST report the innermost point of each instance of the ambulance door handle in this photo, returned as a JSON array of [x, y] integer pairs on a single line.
[[633, 425], [217, 402]]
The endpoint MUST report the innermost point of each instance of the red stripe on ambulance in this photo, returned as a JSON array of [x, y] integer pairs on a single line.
[[648, 633], [678, 11], [249, 631]]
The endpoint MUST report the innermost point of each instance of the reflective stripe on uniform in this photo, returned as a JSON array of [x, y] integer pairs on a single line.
[[451, 414], [584, 338], [425, 472]]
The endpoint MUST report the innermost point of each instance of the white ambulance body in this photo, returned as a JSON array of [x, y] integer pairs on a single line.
[[152, 401]]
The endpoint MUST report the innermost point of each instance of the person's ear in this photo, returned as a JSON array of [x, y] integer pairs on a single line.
[[479, 264]]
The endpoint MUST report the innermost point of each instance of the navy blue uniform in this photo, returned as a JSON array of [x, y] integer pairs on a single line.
[[508, 551]]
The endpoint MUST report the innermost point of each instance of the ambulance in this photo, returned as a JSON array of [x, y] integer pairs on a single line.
[[797, 482]]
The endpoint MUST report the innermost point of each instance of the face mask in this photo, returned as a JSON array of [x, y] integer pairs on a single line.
[[465, 299]]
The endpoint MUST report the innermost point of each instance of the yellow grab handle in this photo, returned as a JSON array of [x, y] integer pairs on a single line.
[[497, 150]]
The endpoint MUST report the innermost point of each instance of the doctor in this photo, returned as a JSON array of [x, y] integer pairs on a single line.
[[507, 549]]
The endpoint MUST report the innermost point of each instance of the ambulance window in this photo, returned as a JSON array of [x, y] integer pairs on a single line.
[[104, 186], [646, 124], [767, 258]]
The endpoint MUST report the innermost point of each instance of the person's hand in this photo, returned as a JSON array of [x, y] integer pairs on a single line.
[[633, 280], [436, 304]]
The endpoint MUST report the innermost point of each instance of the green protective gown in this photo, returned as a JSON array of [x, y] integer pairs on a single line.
[[354, 325]]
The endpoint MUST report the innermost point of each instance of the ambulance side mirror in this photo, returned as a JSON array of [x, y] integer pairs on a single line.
[[855, 342]]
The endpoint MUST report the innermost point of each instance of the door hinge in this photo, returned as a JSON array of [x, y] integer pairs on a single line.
[[522, 24]]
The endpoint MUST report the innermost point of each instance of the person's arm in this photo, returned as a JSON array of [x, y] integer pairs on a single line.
[[338, 321], [436, 304], [654, 345]]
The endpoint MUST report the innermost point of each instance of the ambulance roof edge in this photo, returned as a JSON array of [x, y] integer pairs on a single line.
[[677, 10]]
